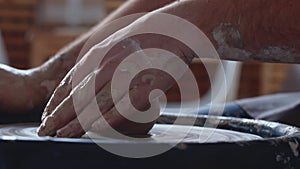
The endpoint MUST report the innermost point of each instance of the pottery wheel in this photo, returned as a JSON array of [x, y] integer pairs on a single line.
[[159, 133]]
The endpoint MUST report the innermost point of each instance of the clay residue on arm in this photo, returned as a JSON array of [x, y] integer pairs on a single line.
[[261, 30], [243, 30]]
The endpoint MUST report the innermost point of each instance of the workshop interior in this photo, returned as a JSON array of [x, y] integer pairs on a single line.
[[255, 125]]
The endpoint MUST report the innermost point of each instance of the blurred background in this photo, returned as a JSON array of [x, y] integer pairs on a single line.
[[34, 30]]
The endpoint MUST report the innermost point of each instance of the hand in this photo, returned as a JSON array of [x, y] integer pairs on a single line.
[[62, 119], [71, 112]]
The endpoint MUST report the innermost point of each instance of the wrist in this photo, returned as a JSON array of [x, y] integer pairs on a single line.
[[162, 42]]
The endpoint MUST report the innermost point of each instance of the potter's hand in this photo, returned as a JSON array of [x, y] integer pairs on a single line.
[[70, 111], [119, 75]]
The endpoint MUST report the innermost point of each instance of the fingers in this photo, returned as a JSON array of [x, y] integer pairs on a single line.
[[60, 93], [103, 101], [80, 71], [57, 119], [64, 118], [65, 111], [123, 122], [78, 126], [82, 95], [87, 65], [63, 90]]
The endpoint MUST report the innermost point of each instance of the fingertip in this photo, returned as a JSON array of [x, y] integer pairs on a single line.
[[40, 130], [70, 131], [47, 127], [64, 132], [60, 133]]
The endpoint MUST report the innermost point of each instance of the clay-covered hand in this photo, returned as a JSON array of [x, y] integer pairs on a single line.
[[71, 110], [114, 82]]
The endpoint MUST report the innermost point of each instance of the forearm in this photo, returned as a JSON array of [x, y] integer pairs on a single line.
[[256, 30]]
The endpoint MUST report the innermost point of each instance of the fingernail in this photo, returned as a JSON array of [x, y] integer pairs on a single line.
[[45, 127]]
